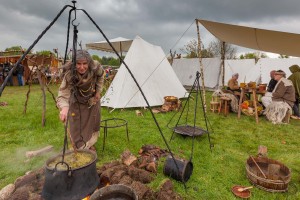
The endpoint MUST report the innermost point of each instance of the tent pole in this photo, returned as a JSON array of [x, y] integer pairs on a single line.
[[223, 63], [201, 66], [121, 52]]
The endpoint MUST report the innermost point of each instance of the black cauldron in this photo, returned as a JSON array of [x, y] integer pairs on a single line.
[[70, 184]]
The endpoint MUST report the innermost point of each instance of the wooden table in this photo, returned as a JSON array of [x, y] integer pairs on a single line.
[[253, 92]]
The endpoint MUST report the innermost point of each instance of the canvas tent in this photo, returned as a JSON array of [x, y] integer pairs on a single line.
[[246, 68], [153, 73], [254, 38], [186, 69]]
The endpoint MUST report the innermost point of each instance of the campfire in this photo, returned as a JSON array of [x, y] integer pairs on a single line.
[[133, 172]]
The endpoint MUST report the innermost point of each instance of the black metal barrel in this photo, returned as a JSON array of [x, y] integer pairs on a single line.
[[184, 171]]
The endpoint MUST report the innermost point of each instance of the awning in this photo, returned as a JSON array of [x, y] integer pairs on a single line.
[[120, 44], [254, 38]]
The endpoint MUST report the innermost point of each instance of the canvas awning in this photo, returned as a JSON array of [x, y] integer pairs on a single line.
[[120, 44], [254, 38]]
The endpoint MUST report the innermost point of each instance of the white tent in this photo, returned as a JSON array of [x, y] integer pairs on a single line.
[[186, 69], [259, 72], [152, 71], [246, 68], [268, 64]]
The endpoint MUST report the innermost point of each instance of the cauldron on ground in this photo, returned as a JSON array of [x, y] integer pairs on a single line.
[[115, 192], [70, 184], [184, 171]]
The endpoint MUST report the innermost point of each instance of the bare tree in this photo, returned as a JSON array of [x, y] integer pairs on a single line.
[[191, 50], [216, 48]]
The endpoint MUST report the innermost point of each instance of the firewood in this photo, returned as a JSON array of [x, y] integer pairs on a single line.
[[140, 189], [7, 191], [31, 154], [126, 180], [151, 167], [24, 180], [140, 175], [127, 157]]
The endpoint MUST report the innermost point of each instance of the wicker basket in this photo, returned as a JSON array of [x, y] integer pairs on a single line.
[[276, 181]]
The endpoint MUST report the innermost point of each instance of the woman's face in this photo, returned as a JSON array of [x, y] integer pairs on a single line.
[[82, 65]]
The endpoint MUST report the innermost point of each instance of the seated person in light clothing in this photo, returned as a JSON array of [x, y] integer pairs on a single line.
[[282, 99]]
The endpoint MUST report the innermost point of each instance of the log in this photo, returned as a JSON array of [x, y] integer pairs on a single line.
[[7, 191], [31, 154]]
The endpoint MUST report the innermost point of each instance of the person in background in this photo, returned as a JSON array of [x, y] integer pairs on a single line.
[[283, 98], [20, 73], [267, 98], [79, 100], [295, 78], [7, 67], [272, 82]]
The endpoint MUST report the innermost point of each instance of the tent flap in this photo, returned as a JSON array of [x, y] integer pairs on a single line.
[[254, 38]]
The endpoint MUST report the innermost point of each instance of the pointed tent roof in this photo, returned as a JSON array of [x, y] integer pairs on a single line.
[[255, 38], [120, 44], [152, 71]]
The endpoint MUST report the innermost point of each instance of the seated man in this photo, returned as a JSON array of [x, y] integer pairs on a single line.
[[282, 98]]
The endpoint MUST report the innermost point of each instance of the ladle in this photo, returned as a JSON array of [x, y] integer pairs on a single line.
[[244, 188]]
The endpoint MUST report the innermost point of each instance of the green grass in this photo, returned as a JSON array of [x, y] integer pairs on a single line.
[[215, 172]]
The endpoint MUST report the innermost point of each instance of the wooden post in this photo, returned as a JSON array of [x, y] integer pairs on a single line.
[[201, 66], [223, 63]]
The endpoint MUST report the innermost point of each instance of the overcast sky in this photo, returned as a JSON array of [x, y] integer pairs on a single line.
[[167, 23]]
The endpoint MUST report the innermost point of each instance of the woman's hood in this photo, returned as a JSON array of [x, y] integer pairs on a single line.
[[294, 68]]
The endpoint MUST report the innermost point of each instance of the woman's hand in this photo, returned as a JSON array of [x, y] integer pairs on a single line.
[[97, 97], [63, 114]]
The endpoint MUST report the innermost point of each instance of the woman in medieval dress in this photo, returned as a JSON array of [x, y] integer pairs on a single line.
[[79, 100]]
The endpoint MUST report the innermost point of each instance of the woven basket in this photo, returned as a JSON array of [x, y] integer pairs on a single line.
[[251, 105], [274, 182]]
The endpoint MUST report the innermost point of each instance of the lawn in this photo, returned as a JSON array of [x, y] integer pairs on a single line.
[[215, 171]]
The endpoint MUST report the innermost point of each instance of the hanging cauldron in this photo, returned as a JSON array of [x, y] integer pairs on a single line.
[[66, 182]]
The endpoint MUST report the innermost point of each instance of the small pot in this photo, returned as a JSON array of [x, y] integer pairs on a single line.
[[115, 192], [70, 184]]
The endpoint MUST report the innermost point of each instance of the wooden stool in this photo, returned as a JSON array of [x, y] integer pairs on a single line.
[[214, 104], [224, 105]]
